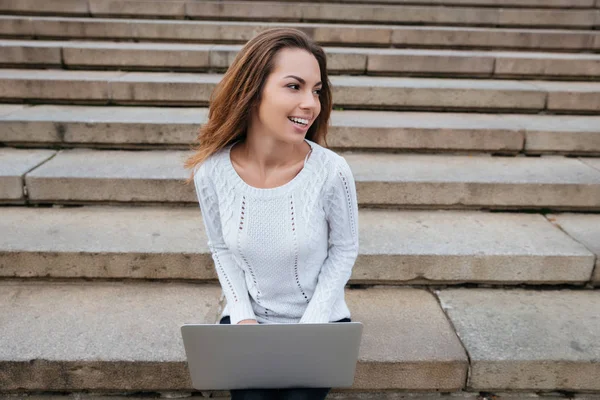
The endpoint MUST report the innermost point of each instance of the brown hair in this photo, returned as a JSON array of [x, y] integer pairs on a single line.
[[239, 92]]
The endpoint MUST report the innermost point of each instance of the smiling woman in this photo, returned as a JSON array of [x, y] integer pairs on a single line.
[[278, 65], [279, 208], [288, 107]]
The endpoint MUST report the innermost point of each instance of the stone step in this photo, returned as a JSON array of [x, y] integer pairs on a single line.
[[81, 176], [480, 3], [526, 340], [397, 247], [230, 32], [208, 57], [355, 92], [176, 128], [585, 230], [335, 394], [319, 12], [14, 164], [126, 337], [177, 9]]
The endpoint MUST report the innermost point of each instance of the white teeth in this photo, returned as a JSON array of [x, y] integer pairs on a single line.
[[299, 120]]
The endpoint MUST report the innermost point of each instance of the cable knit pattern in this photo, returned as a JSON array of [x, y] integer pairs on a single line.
[[282, 255]]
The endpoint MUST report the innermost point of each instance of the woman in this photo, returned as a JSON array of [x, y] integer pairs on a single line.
[[279, 208]]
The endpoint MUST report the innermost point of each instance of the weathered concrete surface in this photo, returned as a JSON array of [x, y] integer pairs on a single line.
[[14, 164], [177, 127], [124, 336], [100, 336], [136, 8], [325, 34], [312, 12], [279, 11], [27, 52], [337, 394], [425, 61], [474, 181], [90, 28], [571, 96], [16, 26], [592, 162], [348, 129], [61, 7], [396, 246], [546, 64], [346, 60], [504, 3], [6, 109], [102, 125], [92, 86], [353, 91], [548, 18], [528, 340], [396, 350], [160, 87], [105, 242], [494, 38], [382, 179], [78, 6], [102, 86], [181, 56], [436, 93], [449, 246], [200, 31], [412, 130], [559, 133], [398, 14], [137, 55], [112, 176], [585, 228]]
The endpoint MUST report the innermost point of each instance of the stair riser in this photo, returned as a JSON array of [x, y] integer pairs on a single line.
[[189, 93], [388, 194], [369, 269], [133, 332], [303, 12], [177, 9], [179, 136], [354, 35], [472, 65], [139, 128]]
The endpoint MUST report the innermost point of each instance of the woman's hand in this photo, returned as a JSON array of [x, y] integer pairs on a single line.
[[248, 322]]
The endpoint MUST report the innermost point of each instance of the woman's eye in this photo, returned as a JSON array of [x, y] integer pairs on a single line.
[[295, 86]]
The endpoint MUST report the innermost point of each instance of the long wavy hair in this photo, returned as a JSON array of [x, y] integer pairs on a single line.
[[239, 93]]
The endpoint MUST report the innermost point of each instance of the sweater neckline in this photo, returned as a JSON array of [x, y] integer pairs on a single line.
[[270, 192]]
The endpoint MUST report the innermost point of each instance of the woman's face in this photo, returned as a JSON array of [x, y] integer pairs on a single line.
[[290, 92]]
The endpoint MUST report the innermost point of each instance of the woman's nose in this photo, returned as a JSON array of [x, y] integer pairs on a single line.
[[309, 100]]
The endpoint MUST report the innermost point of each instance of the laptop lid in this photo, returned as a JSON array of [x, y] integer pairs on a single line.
[[224, 357]]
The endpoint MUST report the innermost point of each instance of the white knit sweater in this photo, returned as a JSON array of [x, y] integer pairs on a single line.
[[282, 255]]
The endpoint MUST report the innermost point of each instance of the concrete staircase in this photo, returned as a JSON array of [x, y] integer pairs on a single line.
[[472, 128]]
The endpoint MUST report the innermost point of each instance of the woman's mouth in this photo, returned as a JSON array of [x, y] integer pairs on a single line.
[[301, 122]]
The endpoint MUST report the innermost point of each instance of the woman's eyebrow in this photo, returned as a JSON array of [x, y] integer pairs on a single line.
[[302, 81]]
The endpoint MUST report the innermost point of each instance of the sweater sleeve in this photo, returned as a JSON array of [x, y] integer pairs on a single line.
[[341, 208], [231, 276]]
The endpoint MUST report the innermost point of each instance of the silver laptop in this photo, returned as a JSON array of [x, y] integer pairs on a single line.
[[224, 357]]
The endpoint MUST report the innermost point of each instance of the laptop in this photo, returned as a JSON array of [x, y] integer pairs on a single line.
[[266, 356]]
